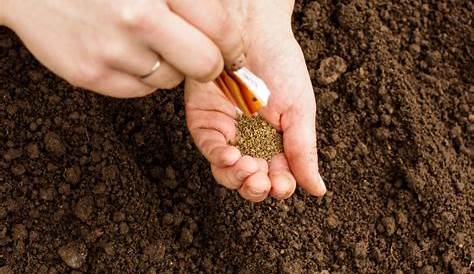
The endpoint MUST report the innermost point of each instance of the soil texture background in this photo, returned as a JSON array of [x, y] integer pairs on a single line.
[[90, 184]]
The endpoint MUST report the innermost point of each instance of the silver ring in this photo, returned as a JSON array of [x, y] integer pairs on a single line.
[[155, 67]]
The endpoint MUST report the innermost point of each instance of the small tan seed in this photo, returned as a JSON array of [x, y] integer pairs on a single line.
[[257, 138]]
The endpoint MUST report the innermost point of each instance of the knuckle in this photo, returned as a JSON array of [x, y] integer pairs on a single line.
[[210, 66], [135, 16], [86, 75], [112, 52]]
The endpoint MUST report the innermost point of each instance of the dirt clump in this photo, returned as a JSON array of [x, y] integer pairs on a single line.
[[74, 254], [257, 138]]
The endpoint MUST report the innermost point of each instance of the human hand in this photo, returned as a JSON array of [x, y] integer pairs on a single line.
[[107, 45], [274, 55]]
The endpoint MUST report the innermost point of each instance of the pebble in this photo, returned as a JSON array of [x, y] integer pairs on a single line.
[[74, 254]]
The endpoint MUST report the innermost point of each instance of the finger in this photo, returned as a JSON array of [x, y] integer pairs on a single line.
[[262, 165], [232, 177], [138, 61], [299, 142], [213, 145], [283, 182], [179, 43], [256, 187], [117, 84], [166, 77], [212, 18], [196, 91], [214, 120]]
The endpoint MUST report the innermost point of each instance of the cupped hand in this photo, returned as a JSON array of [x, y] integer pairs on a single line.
[[274, 55], [109, 45]]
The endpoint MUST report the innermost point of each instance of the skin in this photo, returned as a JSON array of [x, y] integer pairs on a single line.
[[105, 47], [275, 56]]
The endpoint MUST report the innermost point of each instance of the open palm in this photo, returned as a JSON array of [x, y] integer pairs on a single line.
[[275, 57]]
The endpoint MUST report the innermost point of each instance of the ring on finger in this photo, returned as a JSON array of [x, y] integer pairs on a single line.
[[155, 68]]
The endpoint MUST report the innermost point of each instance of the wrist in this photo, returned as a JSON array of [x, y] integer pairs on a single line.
[[273, 14], [4, 10]]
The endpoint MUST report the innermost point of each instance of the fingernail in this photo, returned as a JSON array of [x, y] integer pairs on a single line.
[[322, 184], [257, 193], [237, 64]]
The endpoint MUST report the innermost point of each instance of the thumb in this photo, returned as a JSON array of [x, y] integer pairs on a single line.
[[299, 140]]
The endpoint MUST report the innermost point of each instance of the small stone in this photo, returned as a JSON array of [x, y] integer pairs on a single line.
[[32, 151], [72, 175], [84, 208], [53, 144], [330, 70], [74, 254]]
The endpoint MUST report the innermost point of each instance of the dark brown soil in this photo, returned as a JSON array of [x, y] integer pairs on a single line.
[[116, 186]]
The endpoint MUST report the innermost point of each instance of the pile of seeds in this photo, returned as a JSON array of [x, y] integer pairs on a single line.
[[257, 138]]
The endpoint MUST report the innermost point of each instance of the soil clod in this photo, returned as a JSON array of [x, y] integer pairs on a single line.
[[74, 254]]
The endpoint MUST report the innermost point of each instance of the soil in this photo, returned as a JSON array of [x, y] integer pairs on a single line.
[[116, 186]]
